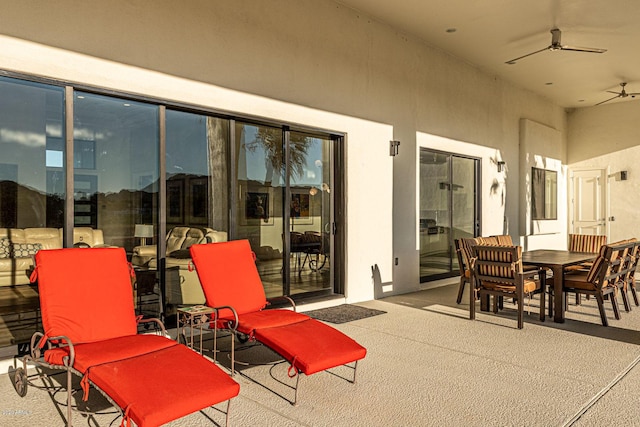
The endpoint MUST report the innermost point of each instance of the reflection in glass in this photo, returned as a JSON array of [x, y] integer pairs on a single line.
[[310, 207], [544, 194], [261, 181], [260, 185], [448, 210], [115, 166], [31, 162]]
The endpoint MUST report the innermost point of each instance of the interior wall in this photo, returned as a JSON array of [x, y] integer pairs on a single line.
[[606, 136], [300, 61]]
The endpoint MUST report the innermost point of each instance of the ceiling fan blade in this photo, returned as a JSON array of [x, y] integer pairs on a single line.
[[583, 49], [607, 100], [617, 93], [513, 61]]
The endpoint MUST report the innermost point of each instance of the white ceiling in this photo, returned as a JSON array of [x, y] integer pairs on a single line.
[[491, 32]]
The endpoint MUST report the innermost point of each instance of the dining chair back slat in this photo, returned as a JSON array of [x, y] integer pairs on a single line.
[[497, 271], [586, 242]]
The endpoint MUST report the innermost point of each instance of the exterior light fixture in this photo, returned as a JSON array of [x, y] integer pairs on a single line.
[[501, 166], [393, 148]]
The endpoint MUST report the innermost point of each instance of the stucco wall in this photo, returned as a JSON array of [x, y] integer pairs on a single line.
[[607, 137], [300, 61]]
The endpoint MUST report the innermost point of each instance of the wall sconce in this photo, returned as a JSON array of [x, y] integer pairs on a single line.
[[143, 232], [501, 166], [623, 175], [393, 148]]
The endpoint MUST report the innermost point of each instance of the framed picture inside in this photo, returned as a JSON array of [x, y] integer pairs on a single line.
[[300, 207], [257, 208], [175, 201], [198, 201]]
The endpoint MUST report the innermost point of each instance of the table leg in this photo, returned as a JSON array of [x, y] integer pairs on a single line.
[[558, 295]]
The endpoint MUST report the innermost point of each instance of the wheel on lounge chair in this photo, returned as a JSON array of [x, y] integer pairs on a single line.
[[20, 382]]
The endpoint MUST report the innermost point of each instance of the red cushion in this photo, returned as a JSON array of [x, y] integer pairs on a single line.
[[312, 345], [228, 274], [267, 319], [96, 353], [85, 294], [164, 385]]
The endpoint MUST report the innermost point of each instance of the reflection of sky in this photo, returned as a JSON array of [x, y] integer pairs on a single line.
[[256, 168]]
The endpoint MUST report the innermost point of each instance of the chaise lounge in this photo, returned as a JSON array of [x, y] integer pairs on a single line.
[[232, 286], [90, 329]]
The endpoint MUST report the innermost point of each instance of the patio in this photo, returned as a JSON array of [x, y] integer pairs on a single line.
[[428, 364]]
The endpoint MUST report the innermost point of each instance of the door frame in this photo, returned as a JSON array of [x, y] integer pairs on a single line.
[[477, 174], [605, 172]]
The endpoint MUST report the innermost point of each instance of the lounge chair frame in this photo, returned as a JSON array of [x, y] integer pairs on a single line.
[[202, 255], [64, 351]]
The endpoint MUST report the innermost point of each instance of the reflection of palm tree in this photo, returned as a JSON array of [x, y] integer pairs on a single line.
[[271, 141]]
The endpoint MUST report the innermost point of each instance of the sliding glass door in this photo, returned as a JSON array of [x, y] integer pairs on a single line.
[[448, 210], [284, 206]]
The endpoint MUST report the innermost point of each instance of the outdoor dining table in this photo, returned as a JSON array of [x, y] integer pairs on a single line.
[[556, 261]]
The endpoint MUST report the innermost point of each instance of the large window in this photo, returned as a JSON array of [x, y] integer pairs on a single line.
[[115, 166], [32, 178], [544, 194], [95, 177], [32, 193]]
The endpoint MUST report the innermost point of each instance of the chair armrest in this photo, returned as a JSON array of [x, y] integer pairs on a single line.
[[283, 298], [215, 237], [37, 343], [140, 319], [233, 326], [145, 250]]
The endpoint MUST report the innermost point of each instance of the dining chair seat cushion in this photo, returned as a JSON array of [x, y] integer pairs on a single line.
[[164, 385], [529, 286], [249, 322], [311, 346], [580, 281], [97, 353], [580, 267]]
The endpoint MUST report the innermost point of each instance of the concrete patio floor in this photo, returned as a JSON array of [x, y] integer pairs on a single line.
[[429, 365]]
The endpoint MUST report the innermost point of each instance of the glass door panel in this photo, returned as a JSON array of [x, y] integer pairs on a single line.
[[463, 204], [115, 166], [197, 198], [309, 213], [260, 187], [434, 213], [448, 210]]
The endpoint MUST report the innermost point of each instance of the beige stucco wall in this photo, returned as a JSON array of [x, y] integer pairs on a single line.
[[299, 61], [607, 137]]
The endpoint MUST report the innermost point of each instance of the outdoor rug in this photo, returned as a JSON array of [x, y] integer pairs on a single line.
[[343, 313]]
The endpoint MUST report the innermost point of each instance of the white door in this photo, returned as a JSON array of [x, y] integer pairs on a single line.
[[589, 202]]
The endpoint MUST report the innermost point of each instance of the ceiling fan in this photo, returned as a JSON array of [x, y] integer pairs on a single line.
[[557, 45], [622, 94]]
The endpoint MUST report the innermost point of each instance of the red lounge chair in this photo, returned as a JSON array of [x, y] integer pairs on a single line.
[[232, 286], [90, 329]]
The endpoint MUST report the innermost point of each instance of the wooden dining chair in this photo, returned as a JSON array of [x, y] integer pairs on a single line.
[[497, 272], [463, 252], [584, 243], [628, 263], [631, 280], [601, 280]]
